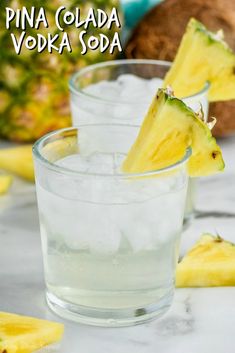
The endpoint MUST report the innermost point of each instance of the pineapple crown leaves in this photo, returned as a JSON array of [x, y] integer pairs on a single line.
[[218, 238], [201, 116], [220, 34], [200, 113], [212, 36], [212, 123], [169, 91]]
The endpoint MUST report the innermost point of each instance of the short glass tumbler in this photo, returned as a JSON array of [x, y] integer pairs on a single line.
[[120, 91], [110, 240]]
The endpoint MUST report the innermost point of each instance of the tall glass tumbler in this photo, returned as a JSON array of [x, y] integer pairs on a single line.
[[120, 92], [110, 240]]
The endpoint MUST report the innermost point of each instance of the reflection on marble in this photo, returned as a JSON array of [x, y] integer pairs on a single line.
[[200, 320]]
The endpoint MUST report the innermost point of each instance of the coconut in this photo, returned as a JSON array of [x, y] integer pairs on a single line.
[[164, 26]]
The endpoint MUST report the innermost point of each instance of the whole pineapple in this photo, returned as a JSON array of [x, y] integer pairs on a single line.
[[34, 86]]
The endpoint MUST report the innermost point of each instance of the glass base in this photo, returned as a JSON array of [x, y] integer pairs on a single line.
[[108, 317]]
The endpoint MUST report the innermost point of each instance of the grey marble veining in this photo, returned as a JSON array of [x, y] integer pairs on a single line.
[[200, 320]]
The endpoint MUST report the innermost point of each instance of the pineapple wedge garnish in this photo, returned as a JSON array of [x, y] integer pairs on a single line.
[[210, 263], [18, 160], [5, 183], [169, 128], [22, 334], [203, 56]]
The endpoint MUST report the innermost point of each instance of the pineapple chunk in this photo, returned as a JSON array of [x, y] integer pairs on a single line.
[[169, 128], [18, 160], [21, 334], [203, 56], [210, 263], [5, 183]]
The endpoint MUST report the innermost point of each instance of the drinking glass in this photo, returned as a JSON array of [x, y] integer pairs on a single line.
[[120, 92], [110, 239]]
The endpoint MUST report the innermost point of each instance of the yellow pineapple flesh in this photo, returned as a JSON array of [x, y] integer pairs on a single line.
[[169, 128], [18, 160], [210, 263], [22, 334], [203, 56], [5, 183]]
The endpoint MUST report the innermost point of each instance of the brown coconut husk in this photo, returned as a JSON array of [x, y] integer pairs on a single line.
[[159, 33]]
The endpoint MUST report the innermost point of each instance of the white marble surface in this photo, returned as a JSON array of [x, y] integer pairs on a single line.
[[200, 320]]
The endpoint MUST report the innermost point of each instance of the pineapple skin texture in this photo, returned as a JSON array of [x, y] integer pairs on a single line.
[[202, 57], [22, 334], [34, 95], [5, 183], [210, 263], [19, 161]]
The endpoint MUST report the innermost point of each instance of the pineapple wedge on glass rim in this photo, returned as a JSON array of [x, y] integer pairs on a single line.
[[203, 56], [169, 128], [210, 263]]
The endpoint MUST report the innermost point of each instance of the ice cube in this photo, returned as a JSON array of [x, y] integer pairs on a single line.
[[135, 94], [101, 163], [139, 235], [107, 90], [105, 236], [153, 85], [85, 226], [74, 162], [131, 81], [86, 142], [94, 163], [118, 158], [78, 237]]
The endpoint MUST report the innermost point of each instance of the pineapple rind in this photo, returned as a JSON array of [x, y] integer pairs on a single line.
[[169, 128], [22, 334], [210, 263], [201, 57], [213, 38]]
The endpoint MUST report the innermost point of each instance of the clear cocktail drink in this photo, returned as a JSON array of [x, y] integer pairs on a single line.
[[110, 240]]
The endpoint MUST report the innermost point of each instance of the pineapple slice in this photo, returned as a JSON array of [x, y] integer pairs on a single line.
[[203, 56], [18, 160], [169, 128], [5, 183], [21, 334], [210, 263]]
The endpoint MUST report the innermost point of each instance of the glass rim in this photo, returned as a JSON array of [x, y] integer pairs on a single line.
[[80, 92], [63, 170]]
